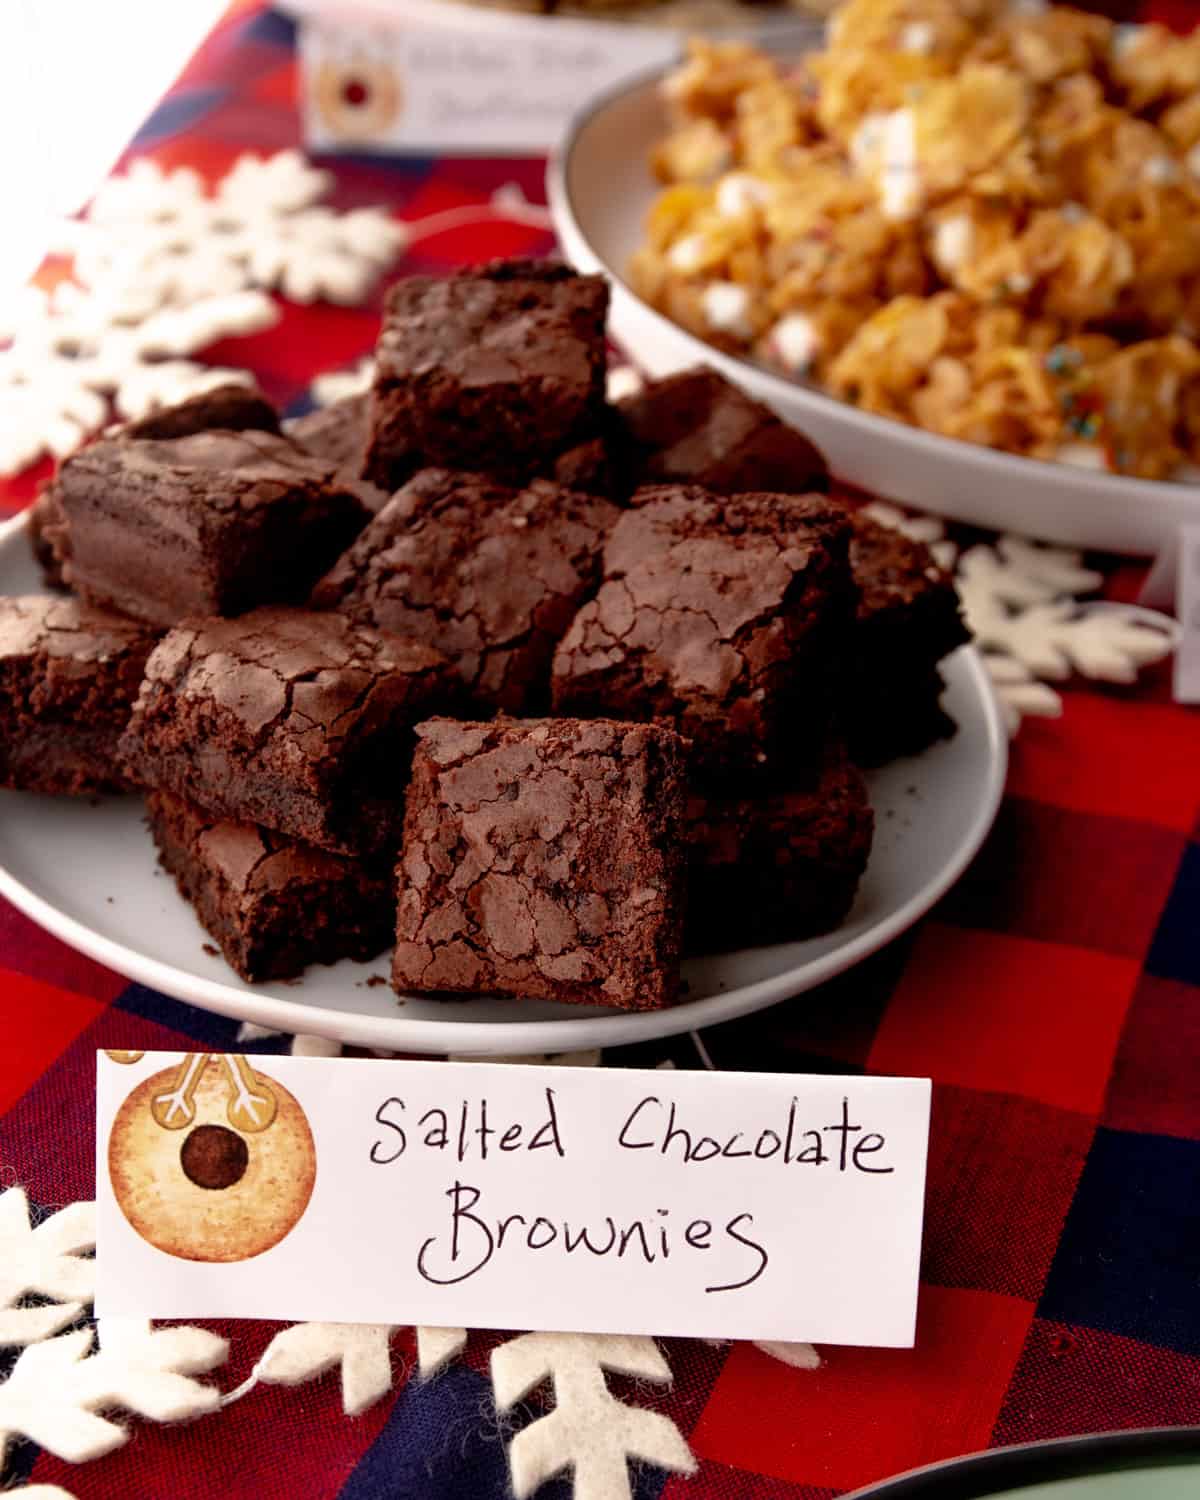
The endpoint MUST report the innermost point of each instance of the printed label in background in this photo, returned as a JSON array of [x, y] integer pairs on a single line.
[[1187, 609], [463, 80], [607, 1200]]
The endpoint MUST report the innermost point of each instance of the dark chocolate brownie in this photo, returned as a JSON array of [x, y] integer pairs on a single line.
[[725, 615], [778, 868], [500, 368], [232, 407], [68, 679], [44, 518], [490, 576], [301, 722], [544, 859], [274, 905], [213, 523], [338, 434], [908, 620], [697, 428]]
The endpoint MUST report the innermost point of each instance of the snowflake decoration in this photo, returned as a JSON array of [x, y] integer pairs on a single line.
[[58, 1389], [43, 1261], [1021, 602], [589, 1431], [161, 269]]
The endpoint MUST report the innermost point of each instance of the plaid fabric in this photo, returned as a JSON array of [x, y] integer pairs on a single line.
[[1054, 997]]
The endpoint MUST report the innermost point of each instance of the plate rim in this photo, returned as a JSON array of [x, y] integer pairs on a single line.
[[569, 1033], [1018, 1465], [567, 227]]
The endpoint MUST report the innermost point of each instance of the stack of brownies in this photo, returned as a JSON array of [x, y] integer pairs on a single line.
[[547, 690]]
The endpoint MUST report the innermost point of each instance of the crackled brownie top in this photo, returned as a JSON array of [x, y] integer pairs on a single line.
[[69, 638], [311, 680], [253, 862], [488, 574], [706, 610], [503, 322], [543, 858], [233, 407], [697, 428], [893, 572]]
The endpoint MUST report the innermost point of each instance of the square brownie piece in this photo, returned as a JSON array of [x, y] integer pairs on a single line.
[[725, 615], [273, 904], [44, 521], [69, 676], [337, 433], [213, 523], [781, 867], [908, 619], [233, 407], [499, 369], [697, 428], [543, 859], [300, 722], [489, 575]]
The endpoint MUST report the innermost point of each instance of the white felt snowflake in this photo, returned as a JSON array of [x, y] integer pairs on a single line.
[[43, 1261], [1021, 604], [162, 268], [337, 385], [163, 235], [589, 1432], [360, 1351], [58, 372], [58, 1389]]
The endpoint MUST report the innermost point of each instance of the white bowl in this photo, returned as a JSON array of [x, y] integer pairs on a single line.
[[600, 188]]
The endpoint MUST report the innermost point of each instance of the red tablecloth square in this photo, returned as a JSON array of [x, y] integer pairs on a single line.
[[1154, 1086], [868, 1413], [1002, 1172], [1082, 879], [1036, 1018]]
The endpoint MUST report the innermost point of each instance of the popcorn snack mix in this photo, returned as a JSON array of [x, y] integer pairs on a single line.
[[982, 219]]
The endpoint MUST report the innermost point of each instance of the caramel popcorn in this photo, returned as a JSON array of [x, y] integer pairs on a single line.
[[973, 216]]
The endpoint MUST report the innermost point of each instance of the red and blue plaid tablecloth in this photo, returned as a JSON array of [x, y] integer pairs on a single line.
[[1054, 997]]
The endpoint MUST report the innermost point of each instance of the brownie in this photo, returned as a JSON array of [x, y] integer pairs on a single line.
[[489, 575], [724, 615], [697, 428], [908, 619], [44, 518], [273, 904], [499, 368], [544, 859], [69, 676], [781, 867], [232, 407], [300, 722], [338, 434], [213, 523]]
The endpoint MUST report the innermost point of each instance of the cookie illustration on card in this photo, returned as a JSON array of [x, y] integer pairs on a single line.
[[211, 1160]]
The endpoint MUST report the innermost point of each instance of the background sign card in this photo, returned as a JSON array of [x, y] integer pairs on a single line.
[[456, 78], [723, 1205]]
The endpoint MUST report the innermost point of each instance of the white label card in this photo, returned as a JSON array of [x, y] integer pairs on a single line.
[[453, 79], [1187, 609], [486, 1195]]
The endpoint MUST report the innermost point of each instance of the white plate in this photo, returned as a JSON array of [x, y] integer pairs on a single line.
[[88, 874], [600, 188]]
